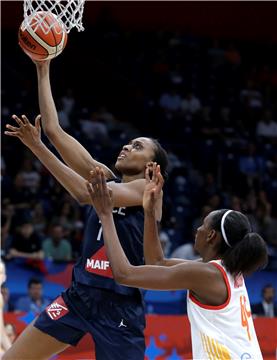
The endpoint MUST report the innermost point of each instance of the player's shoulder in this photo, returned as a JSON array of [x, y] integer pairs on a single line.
[[204, 267]]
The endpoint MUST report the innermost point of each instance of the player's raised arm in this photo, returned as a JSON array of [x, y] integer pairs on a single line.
[[30, 136], [153, 252], [72, 152], [126, 194]]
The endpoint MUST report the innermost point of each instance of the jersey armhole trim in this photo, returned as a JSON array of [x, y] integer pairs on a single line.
[[215, 307]]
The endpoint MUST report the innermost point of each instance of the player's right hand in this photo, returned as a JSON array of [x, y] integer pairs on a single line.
[[30, 135]]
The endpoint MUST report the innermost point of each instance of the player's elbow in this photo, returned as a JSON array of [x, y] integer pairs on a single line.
[[81, 197], [52, 132]]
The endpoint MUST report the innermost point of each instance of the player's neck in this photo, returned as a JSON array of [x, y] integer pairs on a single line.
[[210, 255]]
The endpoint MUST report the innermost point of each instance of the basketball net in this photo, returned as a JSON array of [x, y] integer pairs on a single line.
[[69, 13]]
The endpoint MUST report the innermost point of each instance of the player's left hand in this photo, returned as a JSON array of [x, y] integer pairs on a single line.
[[100, 193], [153, 188], [29, 134]]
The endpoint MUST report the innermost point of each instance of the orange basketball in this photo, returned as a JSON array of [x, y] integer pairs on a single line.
[[45, 38]]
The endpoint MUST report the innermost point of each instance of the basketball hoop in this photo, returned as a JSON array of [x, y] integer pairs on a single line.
[[69, 13]]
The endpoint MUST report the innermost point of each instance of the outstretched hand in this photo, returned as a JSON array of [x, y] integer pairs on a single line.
[[29, 134], [153, 188], [100, 193]]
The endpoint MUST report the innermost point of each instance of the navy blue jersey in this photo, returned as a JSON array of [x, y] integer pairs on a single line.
[[93, 268]]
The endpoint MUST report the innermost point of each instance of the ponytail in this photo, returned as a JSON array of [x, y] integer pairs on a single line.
[[241, 250], [246, 256]]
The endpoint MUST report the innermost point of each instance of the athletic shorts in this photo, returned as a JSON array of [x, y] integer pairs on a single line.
[[115, 322]]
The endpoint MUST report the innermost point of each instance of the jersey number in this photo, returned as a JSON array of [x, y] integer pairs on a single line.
[[245, 315], [99, 232]]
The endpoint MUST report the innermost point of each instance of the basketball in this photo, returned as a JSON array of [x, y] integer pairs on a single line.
[[45, 38]]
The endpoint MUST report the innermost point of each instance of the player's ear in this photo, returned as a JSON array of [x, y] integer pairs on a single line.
[[211, 235], [213, 238]]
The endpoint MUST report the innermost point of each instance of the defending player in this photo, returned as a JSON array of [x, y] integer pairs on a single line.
[[113, 314], [218, 304]]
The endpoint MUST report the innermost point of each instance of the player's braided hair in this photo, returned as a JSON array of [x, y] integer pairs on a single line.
[[160, 157]]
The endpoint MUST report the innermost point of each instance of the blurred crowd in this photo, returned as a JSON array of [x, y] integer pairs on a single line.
[[211, 103]]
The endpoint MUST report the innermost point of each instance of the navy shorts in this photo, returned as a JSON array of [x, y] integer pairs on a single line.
[[115, 322]]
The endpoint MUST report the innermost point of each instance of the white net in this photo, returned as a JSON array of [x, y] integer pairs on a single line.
[[69, 12]]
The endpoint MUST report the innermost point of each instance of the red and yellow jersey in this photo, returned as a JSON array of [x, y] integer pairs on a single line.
[[226, 331]]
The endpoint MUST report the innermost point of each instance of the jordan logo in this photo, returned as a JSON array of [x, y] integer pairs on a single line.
[[122, 324], [57, 309]]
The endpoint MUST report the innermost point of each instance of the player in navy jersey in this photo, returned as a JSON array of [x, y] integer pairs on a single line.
[[113, 314]]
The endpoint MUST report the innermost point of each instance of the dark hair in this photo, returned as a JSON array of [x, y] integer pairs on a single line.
[[247, 251], [35, 281], [160, 157]]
